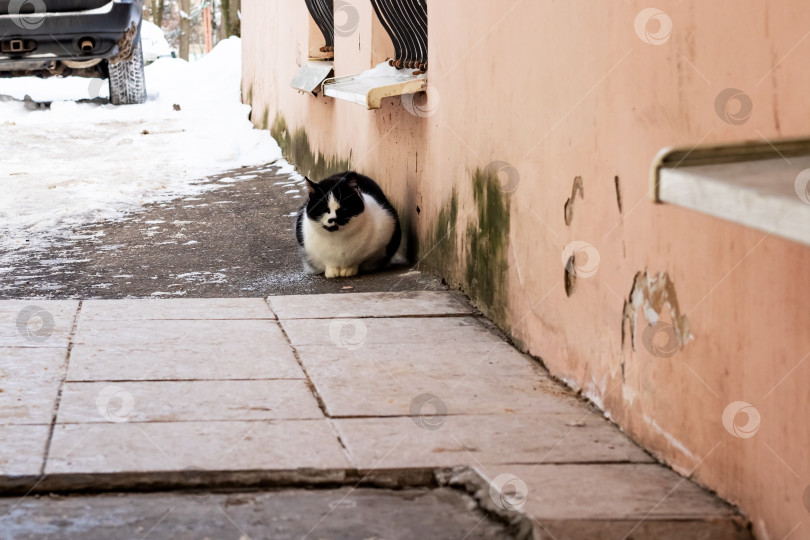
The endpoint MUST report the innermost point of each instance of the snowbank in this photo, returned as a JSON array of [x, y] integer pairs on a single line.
[[84, 161]]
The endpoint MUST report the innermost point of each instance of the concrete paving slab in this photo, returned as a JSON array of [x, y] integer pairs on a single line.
[[184, 361], [355, 333], [27, 401], [174, 350], [344, 513], [29, 383], [169, 333], [36, 323], [359, 305], [155, 387], [179, 308], [22, 451], [604, 500], [433, 440], [168, 446], [184, 401], [468, 378]]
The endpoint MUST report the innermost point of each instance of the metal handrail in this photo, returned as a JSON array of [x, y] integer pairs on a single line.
[[405, 21], [322, 12]]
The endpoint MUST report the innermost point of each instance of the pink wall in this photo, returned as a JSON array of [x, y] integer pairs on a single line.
[[567, 89]]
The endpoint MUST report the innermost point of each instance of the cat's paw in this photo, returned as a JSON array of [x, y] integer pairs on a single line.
[[348, 272], [332, 271]]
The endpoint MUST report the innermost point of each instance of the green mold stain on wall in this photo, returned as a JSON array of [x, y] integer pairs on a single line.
[[480, 267], [250, 96], [296, 149], [486, 242], [439, 252], [266, 118]]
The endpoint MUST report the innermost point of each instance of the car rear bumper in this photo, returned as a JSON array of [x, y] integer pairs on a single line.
[[59, 36]]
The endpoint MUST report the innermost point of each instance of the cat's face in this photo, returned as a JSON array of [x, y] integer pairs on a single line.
[[333, 203]]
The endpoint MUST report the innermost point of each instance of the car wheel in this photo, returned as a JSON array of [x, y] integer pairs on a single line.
[[127, 80]]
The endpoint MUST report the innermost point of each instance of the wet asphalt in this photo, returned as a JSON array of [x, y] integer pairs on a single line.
[[236, 240]]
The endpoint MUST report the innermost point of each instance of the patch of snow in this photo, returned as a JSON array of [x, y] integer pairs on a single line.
[[84, 161], [49, 287], [235, 179], [384, 72], [62, 261], [284, 167], [203, 277]]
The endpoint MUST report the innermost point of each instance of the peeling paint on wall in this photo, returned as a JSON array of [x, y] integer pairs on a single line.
[[569, 204], [570, 276], [296, 149], [653, 294], [618, 193]]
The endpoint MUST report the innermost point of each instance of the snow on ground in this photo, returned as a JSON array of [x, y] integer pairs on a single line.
[[83, 160]]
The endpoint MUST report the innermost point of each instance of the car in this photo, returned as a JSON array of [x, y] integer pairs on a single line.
[[154, 43], [85, 38]]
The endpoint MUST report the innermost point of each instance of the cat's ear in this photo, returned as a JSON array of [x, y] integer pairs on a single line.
[[312, 187], [352, 183]]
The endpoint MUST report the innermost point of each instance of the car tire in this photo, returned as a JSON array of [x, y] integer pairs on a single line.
[[127, 79]]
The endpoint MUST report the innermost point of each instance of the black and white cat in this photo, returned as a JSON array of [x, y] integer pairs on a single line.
[[346, 226]]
